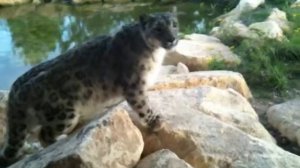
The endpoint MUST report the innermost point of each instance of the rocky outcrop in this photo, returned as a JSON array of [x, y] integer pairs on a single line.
[[269, 29], [204, 126], [233, 30], [109, 142], [280, 18], [286, 118], [197, 51], [163, 159], [232, 27], [210, 127], [219, 79]]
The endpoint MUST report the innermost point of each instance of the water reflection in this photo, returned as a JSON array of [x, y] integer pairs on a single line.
[[34, 36], [30, 35]]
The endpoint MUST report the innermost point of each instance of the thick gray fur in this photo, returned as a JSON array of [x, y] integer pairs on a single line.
[[60, 93]]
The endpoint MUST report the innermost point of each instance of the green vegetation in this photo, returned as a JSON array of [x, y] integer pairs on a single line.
[[261, 65], [264, 62], [268, 64]]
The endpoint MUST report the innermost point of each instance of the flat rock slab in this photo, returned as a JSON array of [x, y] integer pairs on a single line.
[[285, 118], [211, 127], [110, 142], [219, 79]]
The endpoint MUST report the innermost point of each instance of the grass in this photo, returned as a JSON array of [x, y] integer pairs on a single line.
[[264, 62], [267, 64]]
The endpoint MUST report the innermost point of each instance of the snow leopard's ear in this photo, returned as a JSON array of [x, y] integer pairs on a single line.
[[144, 19]]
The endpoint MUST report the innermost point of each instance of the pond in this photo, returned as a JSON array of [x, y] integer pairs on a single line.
[[31, 34]]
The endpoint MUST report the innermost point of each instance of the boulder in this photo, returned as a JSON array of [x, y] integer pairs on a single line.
[[233, 30], [163, 159], [219, 79], [210, 127], [280, 18], [274, 27], [285, 117], [111, 141], [269, 29], [181, 68], [197, 51]]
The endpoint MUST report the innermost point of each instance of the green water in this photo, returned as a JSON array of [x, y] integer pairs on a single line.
[[31, 34]]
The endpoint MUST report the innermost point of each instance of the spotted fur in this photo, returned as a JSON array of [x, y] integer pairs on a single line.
[[58, 94]]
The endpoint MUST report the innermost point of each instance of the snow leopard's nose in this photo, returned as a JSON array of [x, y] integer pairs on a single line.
[[172, 44]]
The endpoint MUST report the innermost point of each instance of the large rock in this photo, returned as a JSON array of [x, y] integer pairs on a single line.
[[197, 51], [235, 30], [280, 18], [110, 142], [163, 159], [219, 79], [269, 29], [274, 27], [286, 118], [210, 127]]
